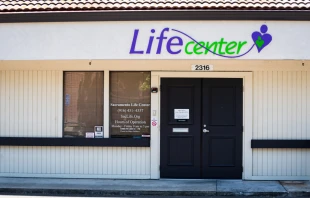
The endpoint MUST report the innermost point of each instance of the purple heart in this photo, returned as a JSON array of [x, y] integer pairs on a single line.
[[260, 40]]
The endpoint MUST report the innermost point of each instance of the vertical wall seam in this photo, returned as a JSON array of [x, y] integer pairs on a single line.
[[1, 116], [277, 124], [272, 123], [18, 121], [5, 132], [262, 119]]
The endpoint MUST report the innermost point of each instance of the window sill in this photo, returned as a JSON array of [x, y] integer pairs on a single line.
[[93, 142]]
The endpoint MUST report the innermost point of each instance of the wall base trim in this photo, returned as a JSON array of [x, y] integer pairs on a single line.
[[80, 176], [279, 178]]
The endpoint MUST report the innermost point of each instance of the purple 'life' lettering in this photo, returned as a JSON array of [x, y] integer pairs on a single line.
[[133, 43], [149, 46], [160, 40], [170, 43]]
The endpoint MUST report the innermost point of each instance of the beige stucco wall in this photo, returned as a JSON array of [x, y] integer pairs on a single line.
[[31, 106]]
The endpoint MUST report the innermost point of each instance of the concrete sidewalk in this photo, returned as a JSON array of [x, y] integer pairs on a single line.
[[164, 187]]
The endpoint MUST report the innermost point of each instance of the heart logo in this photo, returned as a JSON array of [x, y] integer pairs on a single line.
[[261, 39], [259, 42]]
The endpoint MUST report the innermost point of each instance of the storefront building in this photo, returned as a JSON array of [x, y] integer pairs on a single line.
[[150, 90]]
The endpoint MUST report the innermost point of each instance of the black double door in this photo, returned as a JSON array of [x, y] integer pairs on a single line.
[[201, 128]]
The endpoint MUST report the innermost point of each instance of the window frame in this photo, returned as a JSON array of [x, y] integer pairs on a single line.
[[63, 100], [110, 113]]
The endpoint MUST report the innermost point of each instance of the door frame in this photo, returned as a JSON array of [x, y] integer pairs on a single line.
[[247, 115]]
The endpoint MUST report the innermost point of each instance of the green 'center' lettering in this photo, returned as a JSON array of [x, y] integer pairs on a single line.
[[219, 47]]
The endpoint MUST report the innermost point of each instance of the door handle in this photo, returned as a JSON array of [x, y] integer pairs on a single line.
[[205, 131]]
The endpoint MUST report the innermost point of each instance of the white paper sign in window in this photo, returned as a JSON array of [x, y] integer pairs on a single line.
[[181, 114], [130, 103]]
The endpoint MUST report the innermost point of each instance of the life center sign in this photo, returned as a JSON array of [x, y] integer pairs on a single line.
[[222, 47], [156, 40]]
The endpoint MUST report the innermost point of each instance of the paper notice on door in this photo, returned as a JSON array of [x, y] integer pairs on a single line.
[[181, 114]]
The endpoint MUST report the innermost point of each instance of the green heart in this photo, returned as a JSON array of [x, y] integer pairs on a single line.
[[259, 42]]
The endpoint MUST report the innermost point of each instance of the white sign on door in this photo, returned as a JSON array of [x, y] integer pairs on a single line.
[[181, 113]]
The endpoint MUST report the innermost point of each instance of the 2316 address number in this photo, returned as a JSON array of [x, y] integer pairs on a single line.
[[202, 67]]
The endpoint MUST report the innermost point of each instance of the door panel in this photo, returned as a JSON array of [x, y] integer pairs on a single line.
[[175, 144], [221, 156], [222, 117], [180, 150], [181, 97], [222, 108]]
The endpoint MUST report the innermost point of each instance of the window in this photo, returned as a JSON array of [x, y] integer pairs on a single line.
[[83, 103], [130, 100]]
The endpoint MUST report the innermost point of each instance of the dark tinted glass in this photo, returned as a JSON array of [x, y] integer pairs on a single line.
[[83, 102], [130, 100]]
